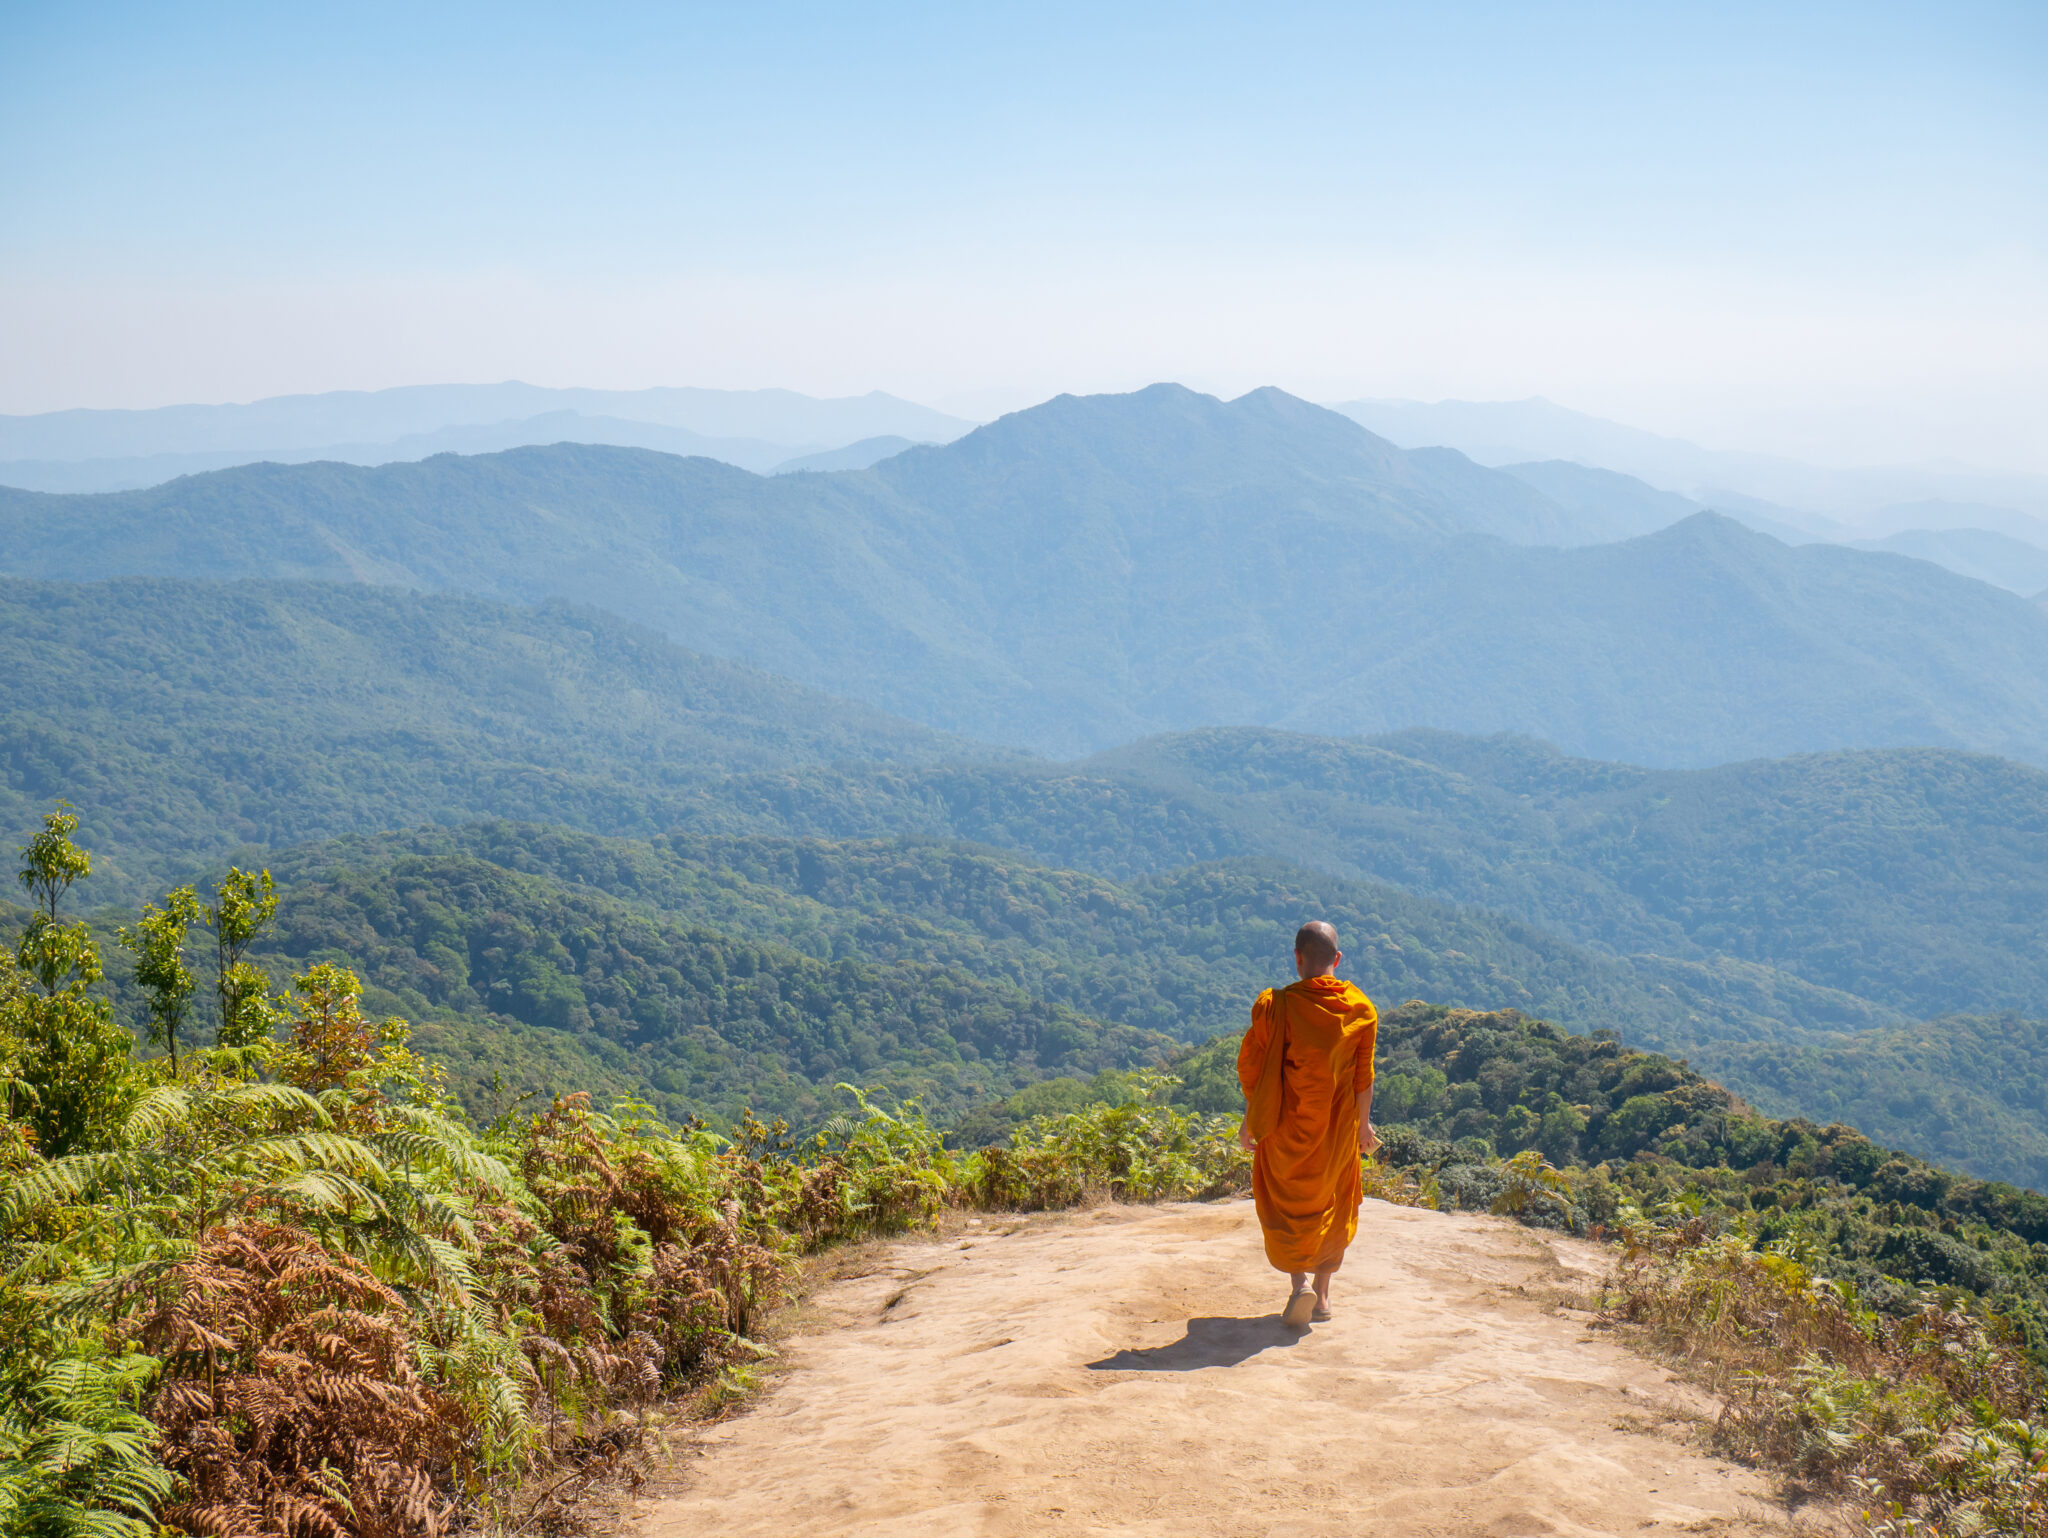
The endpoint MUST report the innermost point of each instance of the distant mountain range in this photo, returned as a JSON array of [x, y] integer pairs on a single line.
[[855, 456], [1878, 500], [731, 886], [1097, 569], [88, 475], [1577, 460], [1984, 524], [82, 451], [1999, 559], [1609, 505]]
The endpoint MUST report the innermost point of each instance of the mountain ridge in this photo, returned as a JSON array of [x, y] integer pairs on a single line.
[[98, 451], [341, 416], [1099, 569], [1501, 432]]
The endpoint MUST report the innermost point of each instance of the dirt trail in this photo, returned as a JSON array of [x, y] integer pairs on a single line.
[[1124, 1372]]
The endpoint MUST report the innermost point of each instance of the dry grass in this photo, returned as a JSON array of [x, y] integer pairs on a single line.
[[1926, 1425]]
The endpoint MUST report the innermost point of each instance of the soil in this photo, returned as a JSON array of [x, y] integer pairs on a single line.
[[1125, 1371]]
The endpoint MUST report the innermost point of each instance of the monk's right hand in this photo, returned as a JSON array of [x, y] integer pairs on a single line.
[[1245, 1140], [1368, 1138]]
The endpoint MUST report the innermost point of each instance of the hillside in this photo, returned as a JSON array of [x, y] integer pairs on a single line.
[[1610, 505], [1824, 893], [1178, 953], [1770, 903], [552, 988], [1079, 575], [1828, 892], [186, 720], [1702, 643], [1963, 1090], [2017, 565], [1915, 879], [703, 973]]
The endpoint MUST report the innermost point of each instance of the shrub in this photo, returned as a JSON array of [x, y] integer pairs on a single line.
[[1140, 1150], [1928, 1418]]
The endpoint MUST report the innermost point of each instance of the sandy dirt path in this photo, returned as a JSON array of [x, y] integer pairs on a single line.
[[1124, 1371]]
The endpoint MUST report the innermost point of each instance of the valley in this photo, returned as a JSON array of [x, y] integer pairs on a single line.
[[564, 773]]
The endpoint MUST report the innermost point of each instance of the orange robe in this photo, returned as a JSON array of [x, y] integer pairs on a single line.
[[1305, 1175]]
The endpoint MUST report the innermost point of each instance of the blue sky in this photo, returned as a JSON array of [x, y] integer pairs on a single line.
[[1819, 229]]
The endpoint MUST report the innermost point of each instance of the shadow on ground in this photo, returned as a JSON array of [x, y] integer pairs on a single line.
[[1208, 1343]]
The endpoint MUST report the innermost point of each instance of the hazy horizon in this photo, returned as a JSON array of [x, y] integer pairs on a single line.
[[1814, 231], [1542, 405]]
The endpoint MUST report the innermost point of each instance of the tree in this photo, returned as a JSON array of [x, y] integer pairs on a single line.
[[72, 1071], [158, 944], [244, 904]]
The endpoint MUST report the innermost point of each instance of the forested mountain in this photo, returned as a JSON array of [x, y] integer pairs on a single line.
[[1742, 913], [188, 719], [1827, 892], [706, 974], [504, 968], [1094, 570], [1966, 1090], [1822, 893], [1179, 952], [1916, 878]]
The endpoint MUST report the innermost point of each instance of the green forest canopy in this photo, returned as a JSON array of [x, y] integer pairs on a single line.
[[704, 974], [191, 720], [1829, 892], [1727, 913]]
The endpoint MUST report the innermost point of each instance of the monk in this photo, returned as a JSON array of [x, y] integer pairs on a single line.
[[1305, 1168]]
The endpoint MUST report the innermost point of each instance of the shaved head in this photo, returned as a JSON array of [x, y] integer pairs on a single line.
[[1316, 943]]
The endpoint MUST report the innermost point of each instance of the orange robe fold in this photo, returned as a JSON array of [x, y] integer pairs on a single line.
[[1305, 1175]]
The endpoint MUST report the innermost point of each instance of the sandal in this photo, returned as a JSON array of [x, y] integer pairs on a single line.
[[1300, 1308], [1321, 1314]]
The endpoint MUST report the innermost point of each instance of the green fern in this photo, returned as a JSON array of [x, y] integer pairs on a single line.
[[77, 1459]]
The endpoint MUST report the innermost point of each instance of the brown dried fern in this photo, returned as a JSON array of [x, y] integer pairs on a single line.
[[289, 1403]]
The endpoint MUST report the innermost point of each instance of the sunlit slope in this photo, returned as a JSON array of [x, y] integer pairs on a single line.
[[186, 719], [1179, 953], [1094, 570], [190, 721], [1966, 1090], [1833, 891], [707, 973], [1917, 879], [528, 982]]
